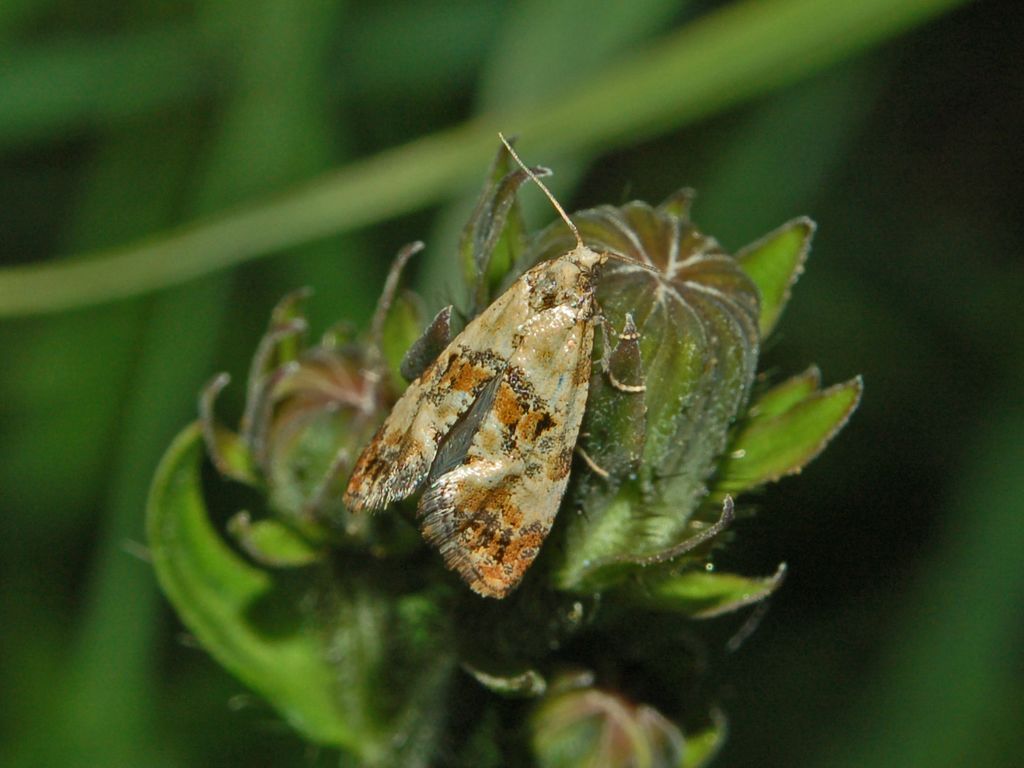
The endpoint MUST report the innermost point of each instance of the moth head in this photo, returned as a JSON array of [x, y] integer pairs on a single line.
[[566, 281]]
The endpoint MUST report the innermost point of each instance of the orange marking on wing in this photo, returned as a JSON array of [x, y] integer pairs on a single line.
[[534, 425], [506, 406], [463, 376]]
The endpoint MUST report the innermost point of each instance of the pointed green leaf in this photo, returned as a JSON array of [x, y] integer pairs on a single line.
[[772, 446], [272, 543], [494, 235], [287, 315], [704, 594], [239, 613], [774, 263], [679, 203], [784, 396], [702, 746]]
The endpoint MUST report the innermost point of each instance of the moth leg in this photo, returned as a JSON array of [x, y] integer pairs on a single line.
[[617, 435], [596, 468], [623, 364]]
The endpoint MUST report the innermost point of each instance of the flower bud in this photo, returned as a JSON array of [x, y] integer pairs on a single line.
[[587, 726], [678, 357], [309, 411]]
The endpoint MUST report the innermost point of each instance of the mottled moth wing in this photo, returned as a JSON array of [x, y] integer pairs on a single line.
[[489, 512], [400, 456]]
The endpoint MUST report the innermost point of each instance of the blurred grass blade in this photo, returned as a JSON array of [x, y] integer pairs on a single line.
[[534, 59], [222, 600], [720, 60], [773, 445], [383, 49], [774, 263], [61, 87]]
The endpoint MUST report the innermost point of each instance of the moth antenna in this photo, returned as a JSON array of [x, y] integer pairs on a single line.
[[544, 189]]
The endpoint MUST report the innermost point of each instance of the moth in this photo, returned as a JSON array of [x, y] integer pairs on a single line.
[[490, 427]]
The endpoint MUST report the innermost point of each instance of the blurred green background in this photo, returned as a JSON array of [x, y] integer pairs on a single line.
[[149, 151]]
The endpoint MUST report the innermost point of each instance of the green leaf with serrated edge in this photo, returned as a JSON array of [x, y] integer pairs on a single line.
[[774, 263], [272, 543], [771, 447], [702, 594], [240, 614], [702, 746], [784, 396]]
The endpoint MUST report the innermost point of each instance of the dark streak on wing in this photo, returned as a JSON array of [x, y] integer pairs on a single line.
[[452, 449]]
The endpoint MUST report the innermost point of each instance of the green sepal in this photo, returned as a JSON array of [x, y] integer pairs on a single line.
[[594, 567], [271, 542], [780, 398], [703, 594], [679, 203], [774, 263], [284, 314], [403, 326], [520, 683], [228, 451], [247, 619], [344, 652], [495, 234], [617, 428], [702, 746], [783, 437], [609, 556]]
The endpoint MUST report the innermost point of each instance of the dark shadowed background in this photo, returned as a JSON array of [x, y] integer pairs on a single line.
[[896, 638]]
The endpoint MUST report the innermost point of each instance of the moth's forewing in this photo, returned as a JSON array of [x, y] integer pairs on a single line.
[[398, 459], [489, 514], [491, 426]]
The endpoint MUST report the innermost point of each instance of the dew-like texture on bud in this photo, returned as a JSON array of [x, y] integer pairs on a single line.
[[696, 313]]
